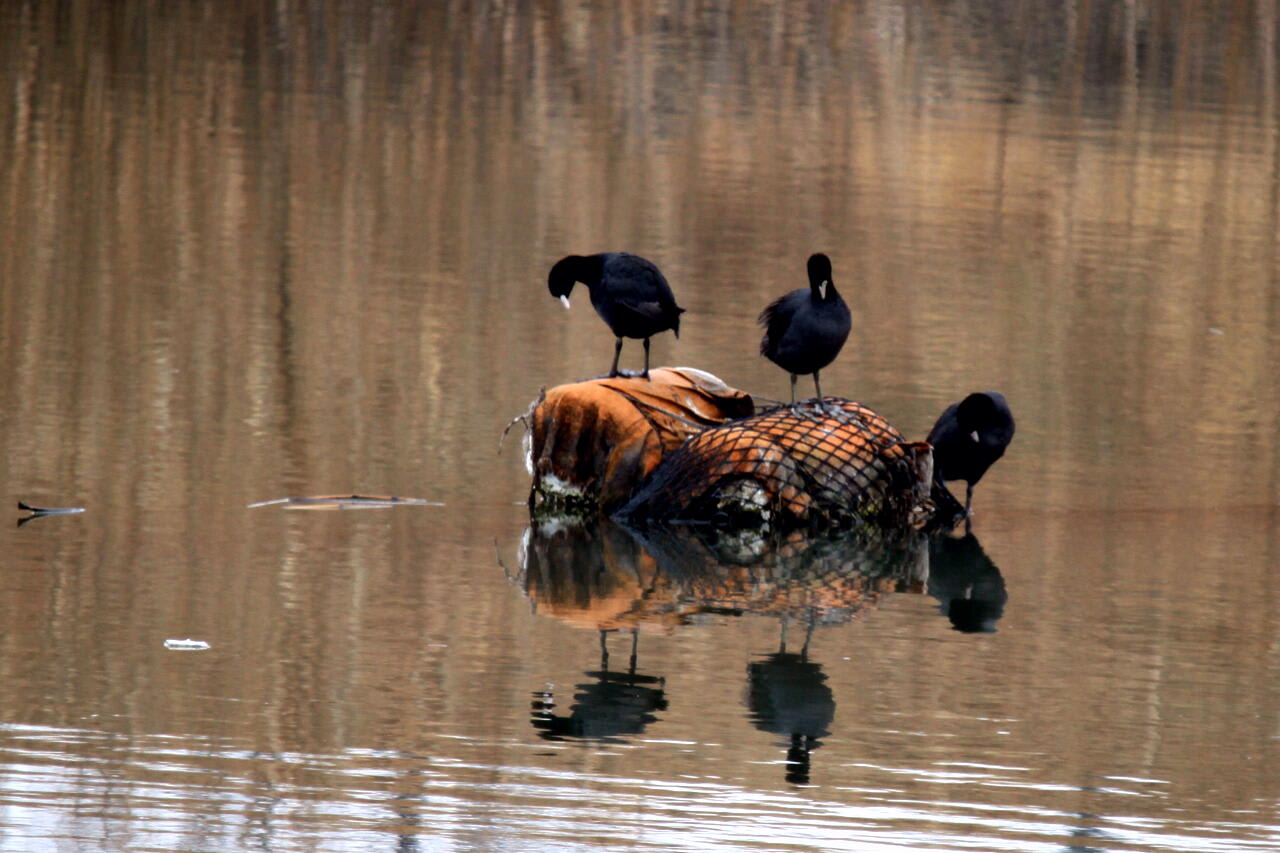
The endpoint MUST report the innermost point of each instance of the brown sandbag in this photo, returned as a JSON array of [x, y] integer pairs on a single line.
[[592, 443]]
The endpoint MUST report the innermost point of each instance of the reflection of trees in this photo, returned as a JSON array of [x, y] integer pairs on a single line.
[[696, 46], [961, 133]]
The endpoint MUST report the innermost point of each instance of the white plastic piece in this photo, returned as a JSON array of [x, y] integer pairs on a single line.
[[187, 645]]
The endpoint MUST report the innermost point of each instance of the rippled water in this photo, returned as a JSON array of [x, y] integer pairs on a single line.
[[256, 251]]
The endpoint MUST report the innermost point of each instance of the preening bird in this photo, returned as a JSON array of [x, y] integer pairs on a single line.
[[805, 329], [969, 437], [628, 292]]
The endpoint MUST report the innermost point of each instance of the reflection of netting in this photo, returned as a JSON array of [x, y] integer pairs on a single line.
[[809, 463], [823, 578]]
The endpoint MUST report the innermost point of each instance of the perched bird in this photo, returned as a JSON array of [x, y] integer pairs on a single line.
[[805, 329], [968, 438], [627, 291]]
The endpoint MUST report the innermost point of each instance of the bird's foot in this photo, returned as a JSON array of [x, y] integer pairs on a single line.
[[806, 410]]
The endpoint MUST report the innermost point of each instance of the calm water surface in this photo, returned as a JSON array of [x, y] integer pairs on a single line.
[[257, 250]]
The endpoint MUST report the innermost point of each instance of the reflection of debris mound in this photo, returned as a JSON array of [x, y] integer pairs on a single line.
[[817, 462], [601, 577]]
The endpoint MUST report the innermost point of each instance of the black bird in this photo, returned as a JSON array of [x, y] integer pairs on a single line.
[[627, 291], [805, 329], [969, 437]]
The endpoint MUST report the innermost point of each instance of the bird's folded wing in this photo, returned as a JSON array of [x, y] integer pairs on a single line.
[[644, 310]]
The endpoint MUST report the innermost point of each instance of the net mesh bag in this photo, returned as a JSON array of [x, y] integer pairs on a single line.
[[822, 462]]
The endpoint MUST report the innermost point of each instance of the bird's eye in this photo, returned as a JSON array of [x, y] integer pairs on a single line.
[[974, 435]]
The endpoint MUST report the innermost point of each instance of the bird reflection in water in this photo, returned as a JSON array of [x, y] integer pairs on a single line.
[[969, 588], [615, 703], [787, 694]]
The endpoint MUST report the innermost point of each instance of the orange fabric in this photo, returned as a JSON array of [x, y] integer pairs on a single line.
[[604, 436]]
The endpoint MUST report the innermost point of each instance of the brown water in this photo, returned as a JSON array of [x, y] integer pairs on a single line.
[[257, 250]]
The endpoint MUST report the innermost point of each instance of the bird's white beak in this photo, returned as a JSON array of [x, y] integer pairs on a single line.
[[565, 300], [822, 289], [974, 435]]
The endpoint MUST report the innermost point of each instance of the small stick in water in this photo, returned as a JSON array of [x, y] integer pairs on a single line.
[[42, 511]]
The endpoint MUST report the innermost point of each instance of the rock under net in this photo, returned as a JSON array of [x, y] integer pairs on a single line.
[[821, 462]]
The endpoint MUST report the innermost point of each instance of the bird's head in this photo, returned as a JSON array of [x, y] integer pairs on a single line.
[[820, 274], [563, 276], [985, 418]]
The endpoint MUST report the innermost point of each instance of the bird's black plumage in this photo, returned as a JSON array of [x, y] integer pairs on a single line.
[[969, 437], [628, 292], [805, 329]]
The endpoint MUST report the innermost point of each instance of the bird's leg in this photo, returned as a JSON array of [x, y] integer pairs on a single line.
[[816, 387], [968, 499], [617, 352], [808, 636], [793, 389], [646, 359]]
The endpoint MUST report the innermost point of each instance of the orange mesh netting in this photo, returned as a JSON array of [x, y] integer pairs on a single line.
[[817, 462]]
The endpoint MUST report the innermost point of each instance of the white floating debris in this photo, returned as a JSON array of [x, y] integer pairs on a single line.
[[1216, 331], [187, 645], [344, 502]]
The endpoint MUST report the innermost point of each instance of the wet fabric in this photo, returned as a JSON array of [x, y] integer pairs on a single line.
[[592, 443]]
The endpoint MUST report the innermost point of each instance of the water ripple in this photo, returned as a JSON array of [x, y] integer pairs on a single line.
[[150, 792]]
